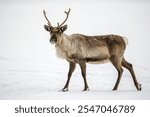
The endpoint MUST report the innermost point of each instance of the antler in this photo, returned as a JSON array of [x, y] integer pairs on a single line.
[[47, 18], [67, 13]]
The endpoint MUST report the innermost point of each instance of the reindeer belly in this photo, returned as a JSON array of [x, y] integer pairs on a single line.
[[97, 60], [97, 55]]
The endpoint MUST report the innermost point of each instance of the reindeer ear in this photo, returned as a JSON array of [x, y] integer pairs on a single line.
[[47, 28], [63, 28]]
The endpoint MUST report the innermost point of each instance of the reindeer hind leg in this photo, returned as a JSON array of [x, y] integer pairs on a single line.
[[117, 64], [129, 66]]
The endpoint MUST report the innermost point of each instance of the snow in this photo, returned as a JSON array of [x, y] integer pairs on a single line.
[[29, 68]]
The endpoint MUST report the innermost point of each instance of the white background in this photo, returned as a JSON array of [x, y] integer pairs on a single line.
[[29, 68]]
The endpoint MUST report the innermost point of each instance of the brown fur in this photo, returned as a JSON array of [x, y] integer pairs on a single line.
[[100, 48], [81, 49]]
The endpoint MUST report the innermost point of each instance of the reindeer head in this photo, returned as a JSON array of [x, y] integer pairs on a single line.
[[55, 32]]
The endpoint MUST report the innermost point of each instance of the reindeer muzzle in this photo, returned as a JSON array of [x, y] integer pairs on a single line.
[[53, 41]]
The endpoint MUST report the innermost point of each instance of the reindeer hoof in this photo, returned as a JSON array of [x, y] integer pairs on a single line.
[[64, 90], [139, 87], [87, 89], [114, 89]]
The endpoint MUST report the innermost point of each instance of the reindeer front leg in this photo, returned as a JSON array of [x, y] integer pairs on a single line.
[[82, 64], [72, 67]]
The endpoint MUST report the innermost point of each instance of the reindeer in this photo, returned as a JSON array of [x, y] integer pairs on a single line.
[[81, 49]]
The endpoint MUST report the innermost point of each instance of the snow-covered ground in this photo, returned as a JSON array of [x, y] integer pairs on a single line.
[[29, 68]]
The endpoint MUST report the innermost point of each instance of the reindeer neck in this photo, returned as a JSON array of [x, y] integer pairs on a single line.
[[64, 40]]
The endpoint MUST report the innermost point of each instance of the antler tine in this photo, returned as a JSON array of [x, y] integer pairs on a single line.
[[67, 13], [47, 18]]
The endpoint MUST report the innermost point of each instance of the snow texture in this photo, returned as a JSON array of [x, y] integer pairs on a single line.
[[29, 68]]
